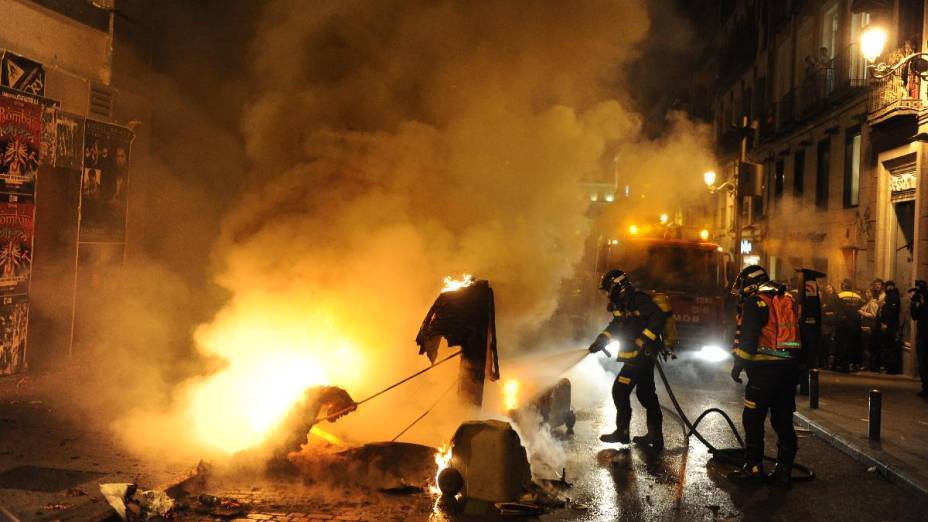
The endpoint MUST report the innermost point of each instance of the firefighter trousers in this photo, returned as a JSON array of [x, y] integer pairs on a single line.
[[637, 375], [771, 386]]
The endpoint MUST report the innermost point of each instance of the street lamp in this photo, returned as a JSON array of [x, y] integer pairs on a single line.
[[709, 178], [872, 41]]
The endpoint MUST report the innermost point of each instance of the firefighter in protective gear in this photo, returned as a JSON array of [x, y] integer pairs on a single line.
[[637, 324], [767, 346]]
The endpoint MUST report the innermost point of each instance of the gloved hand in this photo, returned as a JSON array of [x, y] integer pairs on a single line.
[[598, 344], [736, 369]]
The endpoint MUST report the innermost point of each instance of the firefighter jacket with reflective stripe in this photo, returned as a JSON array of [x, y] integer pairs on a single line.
[[637, 325], [755, 338]]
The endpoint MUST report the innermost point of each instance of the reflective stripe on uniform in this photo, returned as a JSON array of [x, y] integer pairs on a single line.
[[761, 304], [750, 404], [607, 334], [625, 380], [650, 335], [636, 312], [628, 355], [775, 354], [741, 354], [617, 313]]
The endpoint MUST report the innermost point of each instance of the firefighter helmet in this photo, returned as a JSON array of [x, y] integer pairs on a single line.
[[749, 280], [612, 278]]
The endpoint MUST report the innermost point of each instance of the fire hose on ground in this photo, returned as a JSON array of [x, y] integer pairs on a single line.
[[732, 456]]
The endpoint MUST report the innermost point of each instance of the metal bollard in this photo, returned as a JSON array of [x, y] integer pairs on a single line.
[[813, 388], [876, 413]]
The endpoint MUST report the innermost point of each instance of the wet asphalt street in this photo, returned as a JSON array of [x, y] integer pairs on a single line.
[[626, 483]]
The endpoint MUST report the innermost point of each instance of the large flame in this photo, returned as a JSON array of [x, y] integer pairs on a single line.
[[511, 394], [452, 284], [271, 359]]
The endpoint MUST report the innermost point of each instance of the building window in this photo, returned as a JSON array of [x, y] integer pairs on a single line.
[[799, 173], [778, 180], [823, 159], [852, 168]]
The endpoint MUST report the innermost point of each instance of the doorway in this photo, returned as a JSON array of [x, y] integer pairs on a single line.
[[903, 242]]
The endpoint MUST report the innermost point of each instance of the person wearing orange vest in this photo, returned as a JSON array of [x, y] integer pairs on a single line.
[[767, 346], [637, 325]]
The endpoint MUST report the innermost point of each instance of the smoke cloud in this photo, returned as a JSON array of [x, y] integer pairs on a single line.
[[387, 145]]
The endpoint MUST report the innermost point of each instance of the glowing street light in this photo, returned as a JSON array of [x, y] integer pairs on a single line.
[[664, 219], [704, 234], [633, 230], [709, 178], [872, 41]]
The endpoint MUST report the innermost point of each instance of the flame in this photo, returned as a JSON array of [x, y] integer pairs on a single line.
[[452, 284], [443, 459], [326, 436], [272, 355], [511, 394]]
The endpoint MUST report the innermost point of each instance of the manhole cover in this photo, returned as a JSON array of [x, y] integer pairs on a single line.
[[34, 478]]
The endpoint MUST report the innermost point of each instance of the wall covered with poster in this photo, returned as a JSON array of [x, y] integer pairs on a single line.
[[105, 182]]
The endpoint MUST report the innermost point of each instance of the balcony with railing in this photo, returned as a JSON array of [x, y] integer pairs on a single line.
[[824, 86], [896, 95]]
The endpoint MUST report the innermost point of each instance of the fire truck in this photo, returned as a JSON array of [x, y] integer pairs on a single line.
[[694, 274]]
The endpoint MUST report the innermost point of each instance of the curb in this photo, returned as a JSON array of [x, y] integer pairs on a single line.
[[888, 471]]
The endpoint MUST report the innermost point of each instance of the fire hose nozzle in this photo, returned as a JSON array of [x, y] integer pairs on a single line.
[[605, 351]]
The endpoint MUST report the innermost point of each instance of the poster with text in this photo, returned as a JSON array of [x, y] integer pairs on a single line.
[[69, 140], [20, 137], [17, 220], [104, 182], [22, 74], [14, 318]]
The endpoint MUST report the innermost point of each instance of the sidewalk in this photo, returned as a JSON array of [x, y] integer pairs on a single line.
[[901, 455], [51, 463]]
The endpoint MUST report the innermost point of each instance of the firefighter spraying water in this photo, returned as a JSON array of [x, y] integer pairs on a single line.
[[637, 326]]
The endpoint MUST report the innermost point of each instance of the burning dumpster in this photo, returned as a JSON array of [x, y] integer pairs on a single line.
[[464, 315]]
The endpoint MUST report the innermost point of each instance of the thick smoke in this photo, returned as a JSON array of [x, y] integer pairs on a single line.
[[390, 144]]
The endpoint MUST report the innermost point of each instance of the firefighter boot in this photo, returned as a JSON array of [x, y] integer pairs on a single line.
[[620, 436], [654, 439], [623, 418], [781, 475], [750, 473]]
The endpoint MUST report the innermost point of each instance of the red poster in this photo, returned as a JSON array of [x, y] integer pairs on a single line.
[[16, 228], [20, 138]]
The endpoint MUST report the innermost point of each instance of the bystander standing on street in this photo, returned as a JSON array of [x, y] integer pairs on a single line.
[[889, 329], [918, 308], [830, 304], [847, 328], [869, 326]]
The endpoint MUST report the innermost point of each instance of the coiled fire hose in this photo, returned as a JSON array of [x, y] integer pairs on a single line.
[[732, 456]]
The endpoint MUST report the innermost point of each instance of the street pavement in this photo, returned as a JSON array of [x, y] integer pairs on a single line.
[[842, 418], [609, 482]]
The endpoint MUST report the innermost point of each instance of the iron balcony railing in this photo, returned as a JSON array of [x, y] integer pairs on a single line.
[[823, 86], [900, 91]]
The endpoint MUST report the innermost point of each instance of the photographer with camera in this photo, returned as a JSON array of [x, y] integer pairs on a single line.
[[918, 307]]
